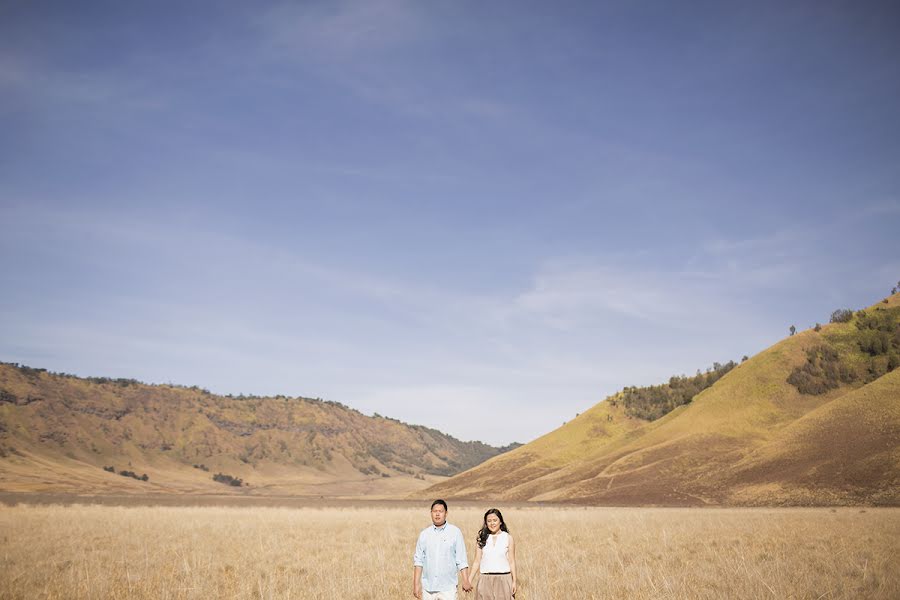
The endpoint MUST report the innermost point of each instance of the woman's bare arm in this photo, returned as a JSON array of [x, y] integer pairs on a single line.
[[511, 555]]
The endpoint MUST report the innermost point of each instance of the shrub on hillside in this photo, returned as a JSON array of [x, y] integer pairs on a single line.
[[874, 343], [652, 402], [841, 315], [369, 470], [228, 479], [126, 473], [893, 361], [880, 319], [822, 371]]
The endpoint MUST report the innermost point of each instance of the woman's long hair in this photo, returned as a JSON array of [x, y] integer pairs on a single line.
[[484, 532]]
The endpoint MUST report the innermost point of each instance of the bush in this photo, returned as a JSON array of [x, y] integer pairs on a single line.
[[875, 343], [652, 402], [893, 361], [822, 371], [134, 475], [228, 479], [841, 315], [878, 320]]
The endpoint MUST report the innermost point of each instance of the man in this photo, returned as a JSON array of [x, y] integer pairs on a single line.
[[440, 556]]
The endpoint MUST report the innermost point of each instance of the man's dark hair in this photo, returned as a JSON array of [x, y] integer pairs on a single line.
[[439, 501]]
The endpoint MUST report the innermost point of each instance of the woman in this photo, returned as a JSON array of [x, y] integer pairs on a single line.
[[496, 556]]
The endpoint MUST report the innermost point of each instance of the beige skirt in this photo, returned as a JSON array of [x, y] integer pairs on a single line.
[[494, 587]]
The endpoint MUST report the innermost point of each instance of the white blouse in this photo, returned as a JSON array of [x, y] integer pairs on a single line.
[[494, 557]]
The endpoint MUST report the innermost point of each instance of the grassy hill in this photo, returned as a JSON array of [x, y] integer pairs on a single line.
[[57, 432], [751, 438]]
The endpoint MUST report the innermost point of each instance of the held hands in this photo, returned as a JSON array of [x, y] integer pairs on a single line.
[[467, 585], [417, 592]]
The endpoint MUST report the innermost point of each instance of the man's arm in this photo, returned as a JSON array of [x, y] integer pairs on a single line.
[[462, 561], [467, 585], [417, 582], [418, 562]]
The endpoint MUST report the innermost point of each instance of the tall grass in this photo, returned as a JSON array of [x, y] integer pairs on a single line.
[[360, 552]]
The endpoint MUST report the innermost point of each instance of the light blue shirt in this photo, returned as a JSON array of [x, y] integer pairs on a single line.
[[441, 552]]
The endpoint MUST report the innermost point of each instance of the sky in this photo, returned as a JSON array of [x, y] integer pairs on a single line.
[[479, 217]]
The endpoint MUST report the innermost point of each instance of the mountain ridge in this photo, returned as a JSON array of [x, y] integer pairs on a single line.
[[63, 429], [726, 446]]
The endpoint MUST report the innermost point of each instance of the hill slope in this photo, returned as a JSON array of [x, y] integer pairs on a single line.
[[751, 438], [58, 431]]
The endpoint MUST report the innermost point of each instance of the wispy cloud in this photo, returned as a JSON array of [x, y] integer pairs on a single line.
[[883, 208], [374, 49], [113, 91], [339, 31], [575, 295]]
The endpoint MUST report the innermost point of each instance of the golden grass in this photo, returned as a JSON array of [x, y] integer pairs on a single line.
[[365, 552]]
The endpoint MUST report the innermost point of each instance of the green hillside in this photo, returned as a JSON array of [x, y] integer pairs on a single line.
[[720, 447]]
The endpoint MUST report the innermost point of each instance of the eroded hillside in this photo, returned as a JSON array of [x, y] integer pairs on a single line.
[[58, 431]]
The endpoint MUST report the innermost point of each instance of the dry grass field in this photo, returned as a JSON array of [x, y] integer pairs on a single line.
[[365, 552]]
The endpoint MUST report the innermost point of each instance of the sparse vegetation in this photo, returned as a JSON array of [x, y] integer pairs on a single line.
[[653, 402], [875, 339], [842, 315], [228, 479], [127, 473], [822, 371], [190, 425], [183, 553]]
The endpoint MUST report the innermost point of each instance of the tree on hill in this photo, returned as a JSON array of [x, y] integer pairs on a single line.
[[867, 352], [793, 329], [228, 479], [841, 315], [652, 402], [822, 371]]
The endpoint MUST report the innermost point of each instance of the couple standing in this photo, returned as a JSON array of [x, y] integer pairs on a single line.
[[441, 555]]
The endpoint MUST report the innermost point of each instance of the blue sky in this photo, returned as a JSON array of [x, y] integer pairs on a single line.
[[482, 217]]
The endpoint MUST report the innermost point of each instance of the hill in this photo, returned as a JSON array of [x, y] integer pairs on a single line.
[[813, 420], [58, 432]]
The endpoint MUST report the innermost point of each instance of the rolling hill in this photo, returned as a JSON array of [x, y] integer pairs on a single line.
[[751, 438], [58, 432]]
